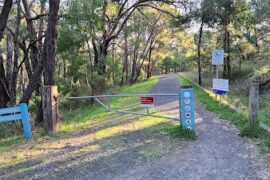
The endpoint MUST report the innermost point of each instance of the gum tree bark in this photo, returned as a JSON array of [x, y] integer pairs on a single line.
[[4, 17], [199, 53], [47, 60], [4, 94]]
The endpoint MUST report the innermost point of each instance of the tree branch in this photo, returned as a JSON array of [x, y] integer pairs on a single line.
[[4, 16], [37, 17]]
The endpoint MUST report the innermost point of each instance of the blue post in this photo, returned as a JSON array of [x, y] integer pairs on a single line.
[[187, 108], [26, 121]]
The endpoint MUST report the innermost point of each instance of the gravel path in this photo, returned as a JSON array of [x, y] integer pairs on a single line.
[[218, 153]]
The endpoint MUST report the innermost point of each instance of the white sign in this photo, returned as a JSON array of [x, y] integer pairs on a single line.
[[221, 84], [218, 57]]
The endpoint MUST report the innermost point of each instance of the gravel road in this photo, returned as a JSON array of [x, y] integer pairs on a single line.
[[218, 153]]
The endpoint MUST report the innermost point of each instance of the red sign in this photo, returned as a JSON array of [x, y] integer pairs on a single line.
[[147, 102]]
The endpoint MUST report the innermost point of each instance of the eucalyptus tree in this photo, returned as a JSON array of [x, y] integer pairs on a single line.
[[207, 16], [47, 61], [102, 22], [261, 21], [4, 93]]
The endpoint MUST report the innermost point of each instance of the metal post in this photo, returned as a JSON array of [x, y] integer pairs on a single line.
[[253, 104], [217, 71], [187, 113], [108, 103]]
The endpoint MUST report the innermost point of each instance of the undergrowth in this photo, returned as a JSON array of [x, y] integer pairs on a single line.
[[225, 112]]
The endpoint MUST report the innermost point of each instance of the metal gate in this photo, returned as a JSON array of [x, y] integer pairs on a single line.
[[185, 98]]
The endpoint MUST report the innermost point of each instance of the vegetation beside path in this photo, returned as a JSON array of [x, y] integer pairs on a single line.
[[225, 112], [105, 131]]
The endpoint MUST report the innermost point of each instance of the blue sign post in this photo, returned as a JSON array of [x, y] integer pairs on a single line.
[[186, 103]]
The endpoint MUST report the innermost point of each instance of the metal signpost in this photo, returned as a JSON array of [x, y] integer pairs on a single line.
[[147, 102], [220, 86], [187, 114]]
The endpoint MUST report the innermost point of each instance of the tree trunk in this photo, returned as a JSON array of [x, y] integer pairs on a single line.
[[34, 53], [135, 53], [144, 54], [149, 66], [126, 53], [47, 53], [227, 45], [229, 69], [256, 40], [134, 65], [9, 58], [123, 72], [50, 63], [4, 16], [240, 59], [199, 53], [21, 82], [225, 59], [4, 96], [51, 43], [41, 24], [13, 87], [65, 69], [114, 60]]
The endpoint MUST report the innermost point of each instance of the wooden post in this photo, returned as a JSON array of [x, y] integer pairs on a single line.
[[50, 108], [253, 104]]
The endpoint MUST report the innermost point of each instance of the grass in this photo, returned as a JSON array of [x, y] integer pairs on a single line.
[[225, 112], [93, 130], [240, 99]]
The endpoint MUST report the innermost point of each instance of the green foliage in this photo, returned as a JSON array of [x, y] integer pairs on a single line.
[[10, 129], [225, 112]]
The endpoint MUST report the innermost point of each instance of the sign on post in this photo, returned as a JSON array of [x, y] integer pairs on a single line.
[[220, 86], [147, 102], [187, 115], [218, 57]]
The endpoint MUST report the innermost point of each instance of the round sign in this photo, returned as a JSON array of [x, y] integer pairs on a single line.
[[188, 115], [187, 101], [187, 108], [217, 54], [187, 94], [188, 121]]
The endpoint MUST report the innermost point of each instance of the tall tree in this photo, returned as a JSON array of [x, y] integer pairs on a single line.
[[206, 16], [4, 93], [47, 60]]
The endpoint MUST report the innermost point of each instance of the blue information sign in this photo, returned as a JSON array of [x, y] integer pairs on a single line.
[[187, 115], [219, 92]]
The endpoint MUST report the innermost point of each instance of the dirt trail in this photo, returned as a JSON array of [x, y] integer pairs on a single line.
[[218, 153]]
